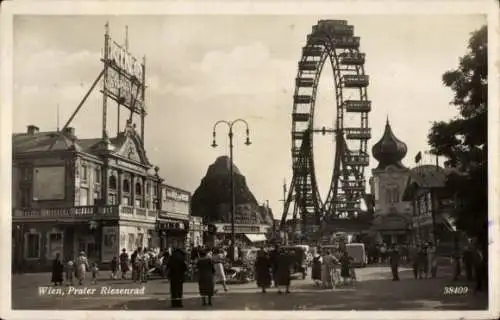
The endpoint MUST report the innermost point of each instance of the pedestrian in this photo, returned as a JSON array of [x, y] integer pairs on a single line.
[[57, 270], [177, 268], [263, 270], [70, 271], [206, 273], [468, 259], [274, 257], [414, 260], [82, 265], [133, 262], [283, 276], [394, 260], [457, 268], [383, 253], [326, 271], [114, 268], [422, 263], [345, 267], [220, 275], [316, 269], [124, 263], [95, 271], [480, 269]]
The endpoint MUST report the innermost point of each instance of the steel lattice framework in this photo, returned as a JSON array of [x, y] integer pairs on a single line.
[[333, 41]]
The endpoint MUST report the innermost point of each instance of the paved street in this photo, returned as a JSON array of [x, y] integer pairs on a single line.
[[373, 291]]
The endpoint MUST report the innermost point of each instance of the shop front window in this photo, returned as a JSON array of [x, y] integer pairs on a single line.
[[54, 244], [32, 249], [84, 196]]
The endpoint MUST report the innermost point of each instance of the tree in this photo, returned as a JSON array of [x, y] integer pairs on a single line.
[[463, 141]]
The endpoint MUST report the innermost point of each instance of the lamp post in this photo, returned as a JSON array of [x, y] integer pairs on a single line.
[[230, 124]]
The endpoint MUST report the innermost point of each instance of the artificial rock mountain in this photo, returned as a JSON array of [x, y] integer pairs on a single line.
[[212, 199]]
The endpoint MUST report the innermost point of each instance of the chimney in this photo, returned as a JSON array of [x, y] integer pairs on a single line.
[[32, 129], [69, 131]]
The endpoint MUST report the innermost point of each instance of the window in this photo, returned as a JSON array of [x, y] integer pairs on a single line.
[[54, 244], [126, 186], [148, 188], [84, 175], [155, 190], [112, 199], [97, 197], [140, 240], [138, 188], [84, 196], [131, 242], [138, 203], [32, 246], [24, 197], [97, 175], [112, 182]]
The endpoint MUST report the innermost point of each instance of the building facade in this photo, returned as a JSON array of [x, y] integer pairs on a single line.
[[92, 195], [431, 204], [249, 228], [391, 214]]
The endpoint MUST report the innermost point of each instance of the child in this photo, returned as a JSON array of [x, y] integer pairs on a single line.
[[94, 271], [70, 271], [114, 268]]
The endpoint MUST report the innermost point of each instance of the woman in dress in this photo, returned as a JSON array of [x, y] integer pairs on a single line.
[[206, 273], [316, 269], [283, 276], [124, 261], [220, 275], [327, 266], [82, 265], [263, 270], [57, 270]]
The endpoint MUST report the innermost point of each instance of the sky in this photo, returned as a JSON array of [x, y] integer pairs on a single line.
[[201, 69]]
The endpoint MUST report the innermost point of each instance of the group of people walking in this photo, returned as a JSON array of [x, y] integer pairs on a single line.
[[72, 269], [324, 271], [209, 271], [273, 268]]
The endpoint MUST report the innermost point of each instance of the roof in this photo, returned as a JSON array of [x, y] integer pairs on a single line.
[[425, 177], [389, 150], [39, 141]]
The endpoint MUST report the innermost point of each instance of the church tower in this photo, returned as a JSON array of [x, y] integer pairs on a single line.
[[392, 215]]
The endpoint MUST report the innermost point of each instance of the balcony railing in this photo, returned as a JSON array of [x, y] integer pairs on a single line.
[[84, 212]]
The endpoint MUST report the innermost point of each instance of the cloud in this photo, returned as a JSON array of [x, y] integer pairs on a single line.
[[244, 70], [53, 67]]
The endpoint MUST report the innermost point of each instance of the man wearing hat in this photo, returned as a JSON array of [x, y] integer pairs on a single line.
[[124, 262]]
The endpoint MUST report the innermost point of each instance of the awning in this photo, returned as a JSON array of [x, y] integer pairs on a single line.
[[255, 237], [449, 222]]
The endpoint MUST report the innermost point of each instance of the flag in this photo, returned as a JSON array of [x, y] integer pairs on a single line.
[[418, 157]]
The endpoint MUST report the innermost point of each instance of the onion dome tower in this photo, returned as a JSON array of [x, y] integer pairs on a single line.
[[389, 150]]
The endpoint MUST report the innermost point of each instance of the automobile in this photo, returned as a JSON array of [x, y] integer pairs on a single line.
[[358, 253]]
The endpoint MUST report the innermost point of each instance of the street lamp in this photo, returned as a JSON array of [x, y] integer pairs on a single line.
[[230, 124]]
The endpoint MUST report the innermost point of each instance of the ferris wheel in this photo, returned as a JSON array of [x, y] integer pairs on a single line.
[[330, 41]]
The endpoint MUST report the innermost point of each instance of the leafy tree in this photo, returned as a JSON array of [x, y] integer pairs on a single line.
[[464, 139]]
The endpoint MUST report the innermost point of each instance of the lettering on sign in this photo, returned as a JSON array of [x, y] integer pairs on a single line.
[[124, 60], [124, 78], [242, 229], [177, 195]]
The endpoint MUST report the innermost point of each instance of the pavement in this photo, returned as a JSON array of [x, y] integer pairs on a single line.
[[373, 290]]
